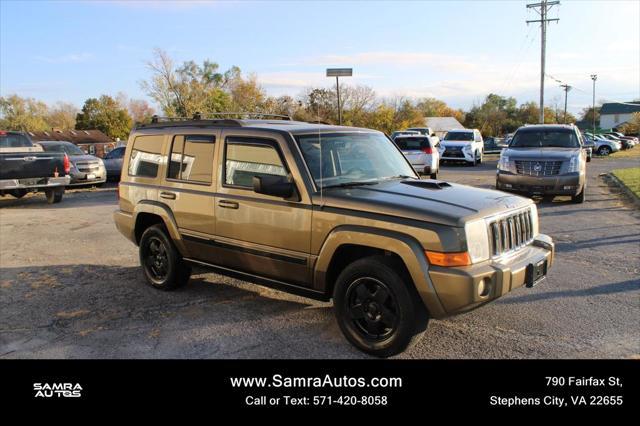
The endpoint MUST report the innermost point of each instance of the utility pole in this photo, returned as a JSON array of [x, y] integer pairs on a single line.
[[543, 10], [566, 88], [594, 77]]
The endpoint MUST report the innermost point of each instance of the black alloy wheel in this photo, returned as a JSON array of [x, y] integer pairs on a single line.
[[373, 308]]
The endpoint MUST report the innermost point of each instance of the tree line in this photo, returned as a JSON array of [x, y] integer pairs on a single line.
[[182, 90]]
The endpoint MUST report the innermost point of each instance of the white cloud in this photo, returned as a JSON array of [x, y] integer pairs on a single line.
[[66, 59], [438, 61]]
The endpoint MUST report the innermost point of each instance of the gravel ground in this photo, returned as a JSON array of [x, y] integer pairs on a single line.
[[71, 287]]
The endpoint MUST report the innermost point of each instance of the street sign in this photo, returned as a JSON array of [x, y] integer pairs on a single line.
[[339, 72]]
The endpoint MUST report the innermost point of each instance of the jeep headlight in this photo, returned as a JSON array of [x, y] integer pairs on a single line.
[[477, 240], [467, 148]]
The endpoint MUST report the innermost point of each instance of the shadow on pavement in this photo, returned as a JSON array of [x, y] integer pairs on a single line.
[[598, 290]]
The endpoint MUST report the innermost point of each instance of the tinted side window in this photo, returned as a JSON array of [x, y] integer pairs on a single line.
[[191, 158], [246, 159], [145, 156]]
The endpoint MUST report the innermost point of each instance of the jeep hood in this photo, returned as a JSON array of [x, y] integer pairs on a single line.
[[451, 205]]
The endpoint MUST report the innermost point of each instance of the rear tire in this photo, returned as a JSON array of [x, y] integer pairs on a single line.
[[162, 264], [377, 307], [54, 196], [604, 151]]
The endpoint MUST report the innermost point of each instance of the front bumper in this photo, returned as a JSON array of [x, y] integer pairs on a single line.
[[565, 184], [92, 178], [458, 288], [458, 156]]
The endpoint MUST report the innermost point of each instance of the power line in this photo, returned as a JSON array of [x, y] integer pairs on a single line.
[[543, 10]]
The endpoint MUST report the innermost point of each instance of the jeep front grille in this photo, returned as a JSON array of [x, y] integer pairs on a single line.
[[510, 232], [538, 168]]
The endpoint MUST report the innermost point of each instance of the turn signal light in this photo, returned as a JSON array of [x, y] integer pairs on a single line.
[[448, 259]]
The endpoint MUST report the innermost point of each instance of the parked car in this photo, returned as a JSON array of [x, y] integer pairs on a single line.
[[493, 145], [426, 131], [625, 144], [85, 169], [397, 133], [328, 212], [26, 168], [623, 136], [462, 145], [422, 153], [544, 159], [113, 163], [603, 146]]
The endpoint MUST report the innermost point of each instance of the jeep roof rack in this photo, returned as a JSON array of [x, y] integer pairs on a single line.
[[229, 119]]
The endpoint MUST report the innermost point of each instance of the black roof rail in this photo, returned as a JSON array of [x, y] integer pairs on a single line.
[[230, 119], [244, 115]]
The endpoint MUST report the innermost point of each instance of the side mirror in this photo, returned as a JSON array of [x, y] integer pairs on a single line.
[[278, 186]]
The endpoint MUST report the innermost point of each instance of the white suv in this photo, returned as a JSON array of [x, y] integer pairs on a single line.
[[422, 153], [462, 145]]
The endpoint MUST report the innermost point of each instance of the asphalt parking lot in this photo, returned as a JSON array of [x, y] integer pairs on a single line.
[[70, 287]]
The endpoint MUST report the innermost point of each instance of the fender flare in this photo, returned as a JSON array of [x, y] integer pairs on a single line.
[[405, 246], [164, 212]]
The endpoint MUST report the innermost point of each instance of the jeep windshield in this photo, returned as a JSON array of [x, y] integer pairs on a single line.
[[553, 138], [350, 159], [459, 136]]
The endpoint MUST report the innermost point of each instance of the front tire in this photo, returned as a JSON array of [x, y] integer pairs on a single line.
[[475, 160], [161, 262], [604, 151], [377, 309], [579, 198]]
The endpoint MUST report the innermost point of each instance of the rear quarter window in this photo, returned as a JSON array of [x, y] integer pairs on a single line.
[[146, 155]]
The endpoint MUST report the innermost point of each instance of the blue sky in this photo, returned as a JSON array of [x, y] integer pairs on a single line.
[[454, 51]]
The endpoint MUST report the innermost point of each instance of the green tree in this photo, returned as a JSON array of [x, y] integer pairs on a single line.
[[191, 88], [62, 116], [432, 107], [25, 114], [105, 114]]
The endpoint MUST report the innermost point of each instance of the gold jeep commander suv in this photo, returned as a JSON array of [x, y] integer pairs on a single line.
[[326, 212]]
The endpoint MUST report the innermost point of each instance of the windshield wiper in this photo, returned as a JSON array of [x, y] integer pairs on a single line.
[[349, 184]]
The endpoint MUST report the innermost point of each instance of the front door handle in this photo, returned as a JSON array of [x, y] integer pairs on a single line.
[[168, 195], [226, 204]]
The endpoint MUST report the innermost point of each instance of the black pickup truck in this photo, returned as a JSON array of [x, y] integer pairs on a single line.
[[27, 168]]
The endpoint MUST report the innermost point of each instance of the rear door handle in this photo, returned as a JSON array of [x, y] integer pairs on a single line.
[[226, 204], [168, 195]]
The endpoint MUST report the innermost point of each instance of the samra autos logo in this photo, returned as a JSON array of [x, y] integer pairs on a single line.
[[57, 390]]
